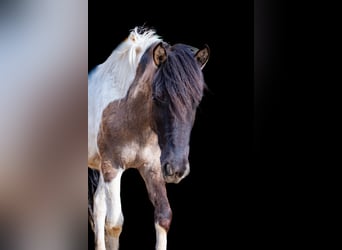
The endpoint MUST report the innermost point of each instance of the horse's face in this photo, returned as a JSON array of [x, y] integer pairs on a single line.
[[177, 92], [173, 138]]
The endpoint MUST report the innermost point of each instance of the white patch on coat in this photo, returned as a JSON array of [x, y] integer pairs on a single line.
[[114, 213], [107, 209], [161, 237], [100, 210]]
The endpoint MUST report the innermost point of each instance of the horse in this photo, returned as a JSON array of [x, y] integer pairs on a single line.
[[142, 107]]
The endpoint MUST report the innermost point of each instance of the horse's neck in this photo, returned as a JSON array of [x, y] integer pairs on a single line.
[[139, 102]]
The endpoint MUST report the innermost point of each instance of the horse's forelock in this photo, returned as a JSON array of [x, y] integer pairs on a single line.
[[181, 77]]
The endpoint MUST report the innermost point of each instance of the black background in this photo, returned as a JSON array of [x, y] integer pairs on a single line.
[[226, 200]]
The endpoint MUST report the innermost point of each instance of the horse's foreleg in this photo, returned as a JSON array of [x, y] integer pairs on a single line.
[[100, 214], [162, 212], [114, 219]]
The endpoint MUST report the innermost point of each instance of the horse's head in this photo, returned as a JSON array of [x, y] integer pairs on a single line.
[[177, 90]]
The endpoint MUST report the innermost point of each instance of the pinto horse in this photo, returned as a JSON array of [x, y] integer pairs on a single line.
[[142, 107]]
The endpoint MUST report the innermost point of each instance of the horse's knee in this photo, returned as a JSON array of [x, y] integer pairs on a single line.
[[114, 227], [164, 218], [113, 231]]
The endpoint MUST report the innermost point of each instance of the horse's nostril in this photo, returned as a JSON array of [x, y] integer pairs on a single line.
[[179, 173], [168, 169]]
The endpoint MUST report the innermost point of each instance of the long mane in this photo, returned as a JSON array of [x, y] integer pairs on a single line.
[[110, 80], [182, 79]]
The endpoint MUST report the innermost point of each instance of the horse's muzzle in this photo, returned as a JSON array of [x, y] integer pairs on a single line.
[[174, 174]]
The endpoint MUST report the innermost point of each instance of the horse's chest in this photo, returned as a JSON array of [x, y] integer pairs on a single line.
[[134, 155]]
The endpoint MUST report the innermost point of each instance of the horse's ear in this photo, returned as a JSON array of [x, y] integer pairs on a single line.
[[159, 54], [202, 56]]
